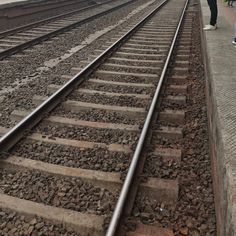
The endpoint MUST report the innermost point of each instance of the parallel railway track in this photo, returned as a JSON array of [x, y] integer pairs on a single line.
[[112, 122], [21, 14], [15, 40]]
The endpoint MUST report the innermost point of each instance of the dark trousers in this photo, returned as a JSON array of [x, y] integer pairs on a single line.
[[214, 11]]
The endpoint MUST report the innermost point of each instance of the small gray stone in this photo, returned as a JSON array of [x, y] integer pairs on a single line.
[[33, 222], [39, 225]]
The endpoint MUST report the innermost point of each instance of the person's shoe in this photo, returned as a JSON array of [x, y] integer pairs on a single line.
[[210, 27], [234, 42]]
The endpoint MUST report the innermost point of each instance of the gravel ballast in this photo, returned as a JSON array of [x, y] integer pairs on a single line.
[[95, 159], [13, 223], [101, 116], [68, 193], [88, 134], [123, 101], [118, 88]]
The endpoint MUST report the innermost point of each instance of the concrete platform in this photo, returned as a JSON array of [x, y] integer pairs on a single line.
[[221, 91], [11, 2]]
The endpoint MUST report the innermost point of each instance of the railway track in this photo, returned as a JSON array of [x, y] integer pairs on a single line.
[[120, 118], [18, 15], [40, 7], [15, 40]]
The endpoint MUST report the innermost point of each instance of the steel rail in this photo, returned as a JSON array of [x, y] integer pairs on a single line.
[[47, 20], [19, 130], [113, 226], [51, 34]]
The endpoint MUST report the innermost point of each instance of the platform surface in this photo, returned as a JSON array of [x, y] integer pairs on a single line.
[[2, 2], [221, 58]]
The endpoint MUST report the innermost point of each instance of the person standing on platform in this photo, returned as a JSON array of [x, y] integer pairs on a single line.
[[214, 12], [230, 3]]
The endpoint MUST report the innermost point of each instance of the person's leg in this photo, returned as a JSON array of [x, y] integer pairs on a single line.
[[214, 11]]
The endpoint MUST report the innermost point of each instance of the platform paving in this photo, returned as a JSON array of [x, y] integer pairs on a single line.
[[10, 1], [221, 91]]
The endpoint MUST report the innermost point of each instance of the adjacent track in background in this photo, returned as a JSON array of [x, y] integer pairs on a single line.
[[44, 21], [13, 16], [66, 160], [20, 38], [38, 7]]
